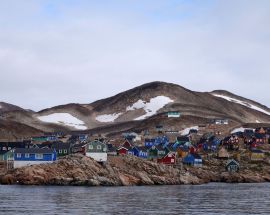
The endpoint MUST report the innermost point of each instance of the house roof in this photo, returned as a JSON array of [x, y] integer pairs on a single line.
[[34, 151], [256, 151], [232, 161]]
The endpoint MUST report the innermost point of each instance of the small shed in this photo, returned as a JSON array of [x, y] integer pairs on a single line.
[[232, 166]]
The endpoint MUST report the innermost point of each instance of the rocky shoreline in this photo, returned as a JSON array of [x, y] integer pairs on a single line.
[[78, 170]]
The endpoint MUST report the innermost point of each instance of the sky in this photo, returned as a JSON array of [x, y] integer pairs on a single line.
[[54, 52]]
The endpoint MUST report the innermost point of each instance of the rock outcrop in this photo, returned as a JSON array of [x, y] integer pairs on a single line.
[[122, 171]]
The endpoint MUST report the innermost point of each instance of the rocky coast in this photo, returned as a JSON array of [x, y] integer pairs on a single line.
[[78, 170]]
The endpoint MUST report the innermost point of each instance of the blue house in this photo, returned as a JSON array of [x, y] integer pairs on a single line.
[[143, 152], [135, 151], [30, 156], [193, 160], [149, 142]]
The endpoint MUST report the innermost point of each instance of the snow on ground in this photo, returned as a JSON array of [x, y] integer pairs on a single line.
[[254, 107], [241, 129], [186, 130], [64, 119], [108, 117], [151, 107]]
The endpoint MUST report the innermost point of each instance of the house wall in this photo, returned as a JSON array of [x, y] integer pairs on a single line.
[[100, 157], [21, 163]]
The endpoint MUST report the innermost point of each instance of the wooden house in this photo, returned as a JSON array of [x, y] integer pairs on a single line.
[[232, 166], [223, 153], [30, 156], [231, 142], [125, 148], [220, 121], [96, 150], [256, 155], [149, 142], [260, 138], [182, 140], [143, 152], [173, 114], [112, 150], [9, 155], [169, 158], [61, 148], [182, 152], [193, 160]]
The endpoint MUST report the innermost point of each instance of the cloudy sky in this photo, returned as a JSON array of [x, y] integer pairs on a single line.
[[59, 51]]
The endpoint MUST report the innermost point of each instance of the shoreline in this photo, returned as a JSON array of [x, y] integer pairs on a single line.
[[78, 170]]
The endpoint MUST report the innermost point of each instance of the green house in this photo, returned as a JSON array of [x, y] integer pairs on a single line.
[[174, 114], [156, 152], [7, 156], [96, 150]]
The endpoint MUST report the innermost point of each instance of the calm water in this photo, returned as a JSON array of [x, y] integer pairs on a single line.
[[204, 199]]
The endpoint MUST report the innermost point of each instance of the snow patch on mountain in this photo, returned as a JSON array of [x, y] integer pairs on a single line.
[[187, 130], [254, 107], [108, 117], [150, 107], [65, 119]]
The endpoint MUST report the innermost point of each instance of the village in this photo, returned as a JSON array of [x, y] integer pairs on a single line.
[[192, 146]]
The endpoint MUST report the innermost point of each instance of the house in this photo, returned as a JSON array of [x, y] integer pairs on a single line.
[[143, 152], [182, 152], [111, 150], [79, 148], [30, 156], [193, 160], [7, 146], [61, 148], [5, 156], [260, 130], [170, 158], [173, 114], [231, 142], [96, 150], [260, 138], [182, 140], [232, 166], [149, 142], [223, 153], [256, 155], [220, 121], [159, 128], [125, 148]]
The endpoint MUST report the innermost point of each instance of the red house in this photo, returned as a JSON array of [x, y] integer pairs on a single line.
[[170, 158], [123, 149]]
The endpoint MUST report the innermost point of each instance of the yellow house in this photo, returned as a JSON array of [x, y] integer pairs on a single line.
[[256, 155]]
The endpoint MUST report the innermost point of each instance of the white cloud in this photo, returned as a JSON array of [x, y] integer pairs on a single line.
[[64, 52]]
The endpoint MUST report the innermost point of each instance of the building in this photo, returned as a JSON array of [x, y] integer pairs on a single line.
[[125, 148], [170, 158], [96, 150], [220, 121], [256, 155], [30, 156], [232, 166], [173, 114], [193, 160], [223, 153]]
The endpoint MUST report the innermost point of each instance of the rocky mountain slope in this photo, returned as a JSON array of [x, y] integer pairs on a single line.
[[140, 106]]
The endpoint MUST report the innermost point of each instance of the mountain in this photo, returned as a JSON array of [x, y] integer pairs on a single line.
[[143, 107]]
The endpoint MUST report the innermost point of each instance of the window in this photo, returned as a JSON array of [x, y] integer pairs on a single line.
[[4, 148], [39, 156], [98, 146], [65, 151], [19, 155], [60, 151], [90, 147], [26, 155]]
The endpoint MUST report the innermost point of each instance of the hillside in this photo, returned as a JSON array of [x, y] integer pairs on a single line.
[[140, 107]]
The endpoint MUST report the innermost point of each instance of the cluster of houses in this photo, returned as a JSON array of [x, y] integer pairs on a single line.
[[182, 150]]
